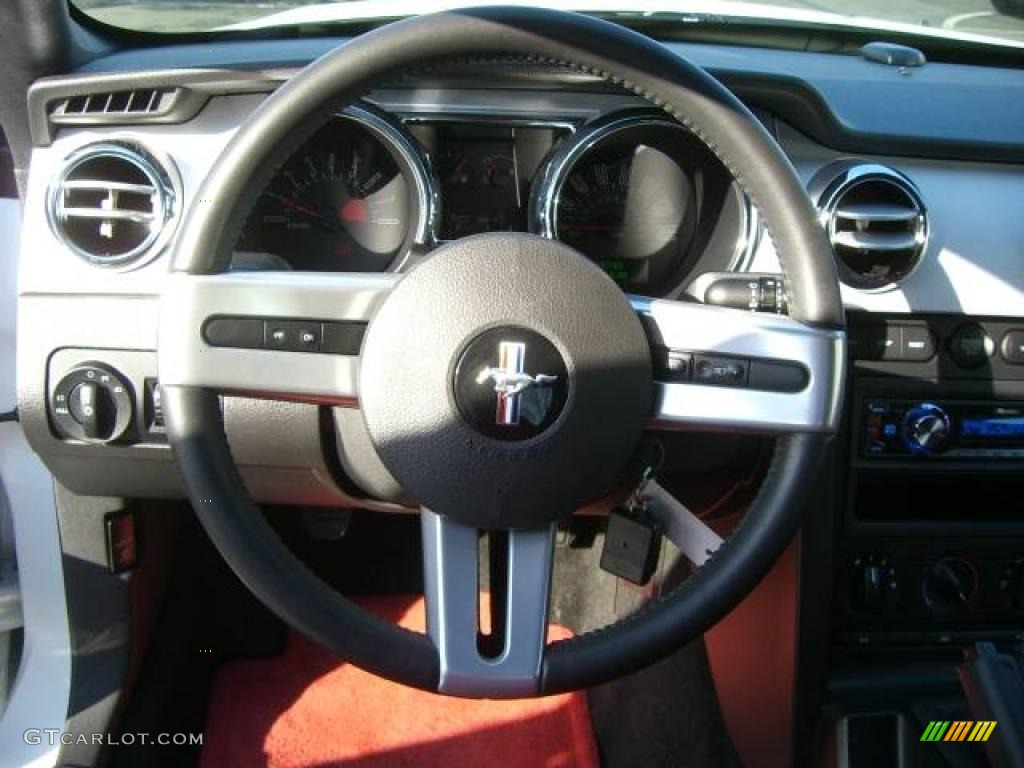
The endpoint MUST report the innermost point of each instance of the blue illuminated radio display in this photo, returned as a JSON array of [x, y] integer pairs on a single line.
[[993, 427], [943, 429]]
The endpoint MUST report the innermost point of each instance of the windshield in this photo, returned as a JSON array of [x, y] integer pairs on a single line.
[[993, 21]]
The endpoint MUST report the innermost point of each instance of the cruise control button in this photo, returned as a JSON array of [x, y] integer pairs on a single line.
[[720, 371], [970, 346], [277, 335], [309, 339], [917, 343], [1013, 346], [293, 335]]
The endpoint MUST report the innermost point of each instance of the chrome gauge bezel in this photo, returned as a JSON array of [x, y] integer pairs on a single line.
[[548, 186], [393, 134]]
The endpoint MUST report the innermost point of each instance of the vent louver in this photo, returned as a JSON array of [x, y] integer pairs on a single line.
[[876, 223], [114, 105], [113, 204]]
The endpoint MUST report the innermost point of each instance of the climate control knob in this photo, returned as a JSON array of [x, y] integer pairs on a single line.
[[872, 587], [926, 429], [1012, 586], [950, 585]]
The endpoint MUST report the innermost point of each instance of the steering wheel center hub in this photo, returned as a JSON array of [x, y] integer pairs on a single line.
[[511, 383], [505, 380]]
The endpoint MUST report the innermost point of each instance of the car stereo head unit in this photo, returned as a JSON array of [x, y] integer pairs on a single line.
[[959, 429]]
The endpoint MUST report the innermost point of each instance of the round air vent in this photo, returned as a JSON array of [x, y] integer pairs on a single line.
[[114, 204], [876, 223]]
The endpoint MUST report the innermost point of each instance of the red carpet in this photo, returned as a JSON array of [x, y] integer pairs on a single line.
[[307, 709]]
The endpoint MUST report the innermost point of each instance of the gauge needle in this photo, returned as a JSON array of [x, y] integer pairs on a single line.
[[295, 205]]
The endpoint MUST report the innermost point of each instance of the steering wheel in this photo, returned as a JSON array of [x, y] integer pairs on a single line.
[[506, 380]]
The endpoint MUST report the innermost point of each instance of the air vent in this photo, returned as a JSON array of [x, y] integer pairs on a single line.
[[113, 204], [114, 106], [876, 223]]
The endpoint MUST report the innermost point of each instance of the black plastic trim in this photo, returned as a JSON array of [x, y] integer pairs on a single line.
[[247, 332]]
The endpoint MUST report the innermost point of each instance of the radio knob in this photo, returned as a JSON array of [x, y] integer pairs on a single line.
[[926, 429]]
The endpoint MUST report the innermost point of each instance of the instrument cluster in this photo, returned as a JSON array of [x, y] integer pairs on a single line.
[[633, 191]]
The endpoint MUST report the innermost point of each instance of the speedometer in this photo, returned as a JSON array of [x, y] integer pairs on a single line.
[[350, 199]]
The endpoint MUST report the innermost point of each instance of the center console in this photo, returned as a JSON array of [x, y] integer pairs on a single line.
[[929, 538], [931, 533]]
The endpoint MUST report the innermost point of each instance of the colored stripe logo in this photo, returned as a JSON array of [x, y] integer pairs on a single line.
[[958, 730]]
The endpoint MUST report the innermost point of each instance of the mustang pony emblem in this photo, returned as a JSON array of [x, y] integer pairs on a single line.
[[511, 382]]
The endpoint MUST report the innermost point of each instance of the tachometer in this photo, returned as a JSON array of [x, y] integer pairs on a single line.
[[643, 198], [348, 200], [630, 210]]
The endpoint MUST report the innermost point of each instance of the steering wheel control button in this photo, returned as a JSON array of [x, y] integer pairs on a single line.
[[496, 397], [511, 383], [720, 371], [970, 346], [292, 335], [309, 339], [1012, 347], [242, 332], [92, 403], [672, 364]]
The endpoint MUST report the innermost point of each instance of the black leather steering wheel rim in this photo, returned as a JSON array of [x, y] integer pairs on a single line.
[[194, 421]]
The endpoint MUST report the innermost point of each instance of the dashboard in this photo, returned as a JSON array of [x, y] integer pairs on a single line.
[[917, 176], [632, 190], [415, 163]]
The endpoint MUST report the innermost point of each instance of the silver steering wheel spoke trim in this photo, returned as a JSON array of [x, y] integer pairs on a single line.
[[451, 590], [186, 359], [733, 333]]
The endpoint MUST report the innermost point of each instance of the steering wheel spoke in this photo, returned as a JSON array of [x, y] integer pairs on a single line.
[[288, 335], [512, 667], [718, 368]]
